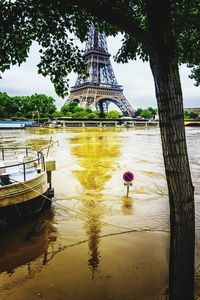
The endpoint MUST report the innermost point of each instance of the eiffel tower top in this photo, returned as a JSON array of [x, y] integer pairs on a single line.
[[96, 42], [98, 63]]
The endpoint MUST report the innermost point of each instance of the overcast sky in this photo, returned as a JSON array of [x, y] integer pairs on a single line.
[[135, 77]]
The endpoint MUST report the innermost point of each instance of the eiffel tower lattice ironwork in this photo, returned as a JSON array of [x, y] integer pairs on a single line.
[[100, 88]]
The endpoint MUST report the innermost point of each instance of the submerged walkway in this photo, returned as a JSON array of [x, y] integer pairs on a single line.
[[65, 122]]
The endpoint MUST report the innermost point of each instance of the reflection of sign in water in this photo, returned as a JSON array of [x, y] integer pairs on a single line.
[[128, 176]]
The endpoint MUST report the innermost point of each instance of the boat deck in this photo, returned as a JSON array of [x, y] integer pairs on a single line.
[[20, 169], [16, 173]]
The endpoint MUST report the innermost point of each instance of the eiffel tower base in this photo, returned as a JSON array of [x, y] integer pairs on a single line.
[[99, 98]]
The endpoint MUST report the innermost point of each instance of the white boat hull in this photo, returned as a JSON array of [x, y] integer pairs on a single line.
[[23, 191]]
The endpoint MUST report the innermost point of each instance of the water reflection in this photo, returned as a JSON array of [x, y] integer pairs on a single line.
[[127, 205], [96, 153], [22, 247], [93, 229]]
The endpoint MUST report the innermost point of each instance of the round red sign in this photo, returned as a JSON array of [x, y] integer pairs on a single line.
[[128, 176]]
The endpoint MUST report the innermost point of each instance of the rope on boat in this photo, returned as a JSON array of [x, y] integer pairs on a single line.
[[85, 216]]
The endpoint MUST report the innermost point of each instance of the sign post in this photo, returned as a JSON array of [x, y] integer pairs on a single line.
[[128, 178]]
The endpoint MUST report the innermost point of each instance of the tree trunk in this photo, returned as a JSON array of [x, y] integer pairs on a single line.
[[180, 188], [164, 67]]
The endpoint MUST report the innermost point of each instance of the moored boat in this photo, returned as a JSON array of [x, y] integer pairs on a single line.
[[25, 184], [12, 126]]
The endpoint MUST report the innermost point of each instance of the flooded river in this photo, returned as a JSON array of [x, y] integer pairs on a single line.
[[96, 243]]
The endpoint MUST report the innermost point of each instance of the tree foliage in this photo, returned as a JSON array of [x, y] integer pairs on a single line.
[[190, 115], [26, 106], [72, 110], [113, 114], [148, 113], [52, 23]]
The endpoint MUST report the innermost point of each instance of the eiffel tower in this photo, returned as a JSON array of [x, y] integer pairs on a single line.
[[100, 88]]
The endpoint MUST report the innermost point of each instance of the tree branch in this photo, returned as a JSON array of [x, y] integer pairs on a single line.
[[112, 16]]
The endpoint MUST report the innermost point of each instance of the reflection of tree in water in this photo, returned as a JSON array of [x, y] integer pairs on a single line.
[[96, 151]]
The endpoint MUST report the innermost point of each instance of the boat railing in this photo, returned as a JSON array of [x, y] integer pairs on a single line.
[[21, 159], [10, 152], [47, 147]]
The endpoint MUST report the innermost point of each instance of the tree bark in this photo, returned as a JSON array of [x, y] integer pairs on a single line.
[[164, 67], [180, 188]]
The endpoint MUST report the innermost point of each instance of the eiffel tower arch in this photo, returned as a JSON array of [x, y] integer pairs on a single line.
[[100, 88]]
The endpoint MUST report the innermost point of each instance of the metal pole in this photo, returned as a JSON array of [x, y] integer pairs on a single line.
[[49, 146], [3, 154], [43, 162], [24, 170], [127, 191]]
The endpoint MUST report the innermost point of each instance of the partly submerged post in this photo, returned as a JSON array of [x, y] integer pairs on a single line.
[[50, 166], [128, 178]]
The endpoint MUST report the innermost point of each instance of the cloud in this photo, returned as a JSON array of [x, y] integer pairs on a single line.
[[135, 77]]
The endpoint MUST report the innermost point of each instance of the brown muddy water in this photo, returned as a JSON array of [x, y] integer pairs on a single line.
[[96, 243]]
